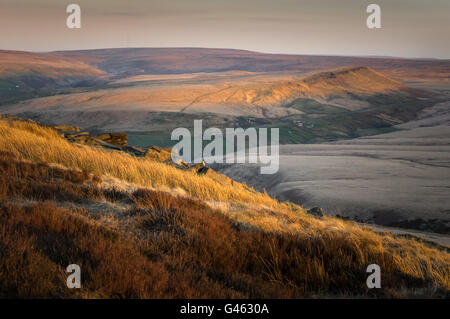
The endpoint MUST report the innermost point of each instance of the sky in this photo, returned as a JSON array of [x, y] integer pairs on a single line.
[[410, 28]]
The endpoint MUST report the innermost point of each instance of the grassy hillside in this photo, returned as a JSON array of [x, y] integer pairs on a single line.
[[13, 63], [144, 229], [258, 95], [25, 75], [322, 106]]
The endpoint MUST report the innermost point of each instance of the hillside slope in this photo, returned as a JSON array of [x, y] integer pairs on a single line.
[[143, 229], [13, 63], [259, 95], [25, 75]]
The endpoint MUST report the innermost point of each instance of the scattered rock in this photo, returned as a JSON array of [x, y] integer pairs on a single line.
[[135, 151], [67, 129], [118, 142], [159, 154], [82, 138], [105, 144], [117, 139], [75, 134]]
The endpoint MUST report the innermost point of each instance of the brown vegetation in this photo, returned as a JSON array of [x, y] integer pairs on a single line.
[[151, 243], [170, 247], [30, 141]]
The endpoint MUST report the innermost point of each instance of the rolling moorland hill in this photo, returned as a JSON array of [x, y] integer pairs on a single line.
[[261, 96], [135, 61], [314, 107], [140, 228], [53, 66], [44, 74], [148, 92], [26, 70], [25, 75]]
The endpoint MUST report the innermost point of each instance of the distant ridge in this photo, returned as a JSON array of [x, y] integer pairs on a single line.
[[136, 61], [48, 64], [28, 71], [124, 62]]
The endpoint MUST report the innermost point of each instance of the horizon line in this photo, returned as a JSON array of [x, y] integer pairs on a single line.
[[236, 49]]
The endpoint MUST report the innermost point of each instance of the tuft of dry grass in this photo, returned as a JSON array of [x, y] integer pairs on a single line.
[[41, 240]]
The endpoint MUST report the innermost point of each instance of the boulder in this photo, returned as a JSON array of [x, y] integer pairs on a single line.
[[87, 139]]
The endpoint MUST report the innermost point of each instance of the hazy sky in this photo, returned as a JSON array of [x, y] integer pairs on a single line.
[[410, 28]]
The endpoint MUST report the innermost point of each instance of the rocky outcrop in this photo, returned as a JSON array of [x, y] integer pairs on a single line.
[[117, 139], [67, 129], [118, 142], [135, 151], [159, 154], [91, 140]]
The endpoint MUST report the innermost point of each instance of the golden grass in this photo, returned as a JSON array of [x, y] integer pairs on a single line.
[[29, 141]]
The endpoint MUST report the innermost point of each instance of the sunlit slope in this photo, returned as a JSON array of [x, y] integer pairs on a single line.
[[25, 75], [224, 235], [43, 144], [14, 63], [258, 95]]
